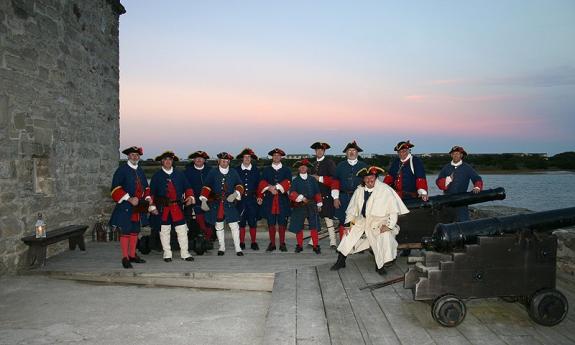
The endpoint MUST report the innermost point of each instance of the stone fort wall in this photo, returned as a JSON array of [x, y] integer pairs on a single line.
[[59, 116]]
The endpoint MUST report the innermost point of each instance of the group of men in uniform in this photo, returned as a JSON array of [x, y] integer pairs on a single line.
[[365, 199]]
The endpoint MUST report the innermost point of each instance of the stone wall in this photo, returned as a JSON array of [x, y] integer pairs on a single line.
[[59, 115]]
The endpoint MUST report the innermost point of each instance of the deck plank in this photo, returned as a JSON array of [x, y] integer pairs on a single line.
[[311, 321], [281, 319]]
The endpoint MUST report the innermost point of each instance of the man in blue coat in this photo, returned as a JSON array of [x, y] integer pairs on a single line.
[[131, 194], [248, 206], [306, 201], [272, 195], [346, 175], [225, 188], [455, 177], [406, 174], [196, 172], [170, 190]]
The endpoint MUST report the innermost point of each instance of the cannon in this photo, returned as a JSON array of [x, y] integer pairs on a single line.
[[424, 215], [511, 257]]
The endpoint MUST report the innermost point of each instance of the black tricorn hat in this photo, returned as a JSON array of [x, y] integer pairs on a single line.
[[304, 161], [133, 149], [225, 155], [247, 151], [276, 150], [197, 154], [372, 170], [320, 145], [168, 154], [352, 145], [403, 145], [458, 149]]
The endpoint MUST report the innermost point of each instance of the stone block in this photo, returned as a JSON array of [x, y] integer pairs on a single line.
[[4, 115], [7, 169]]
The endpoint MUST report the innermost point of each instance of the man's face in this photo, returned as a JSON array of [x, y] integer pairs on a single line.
[[167, 163], [247, 160], [224, 163], [302, 169], [403, 153], [199, 161], [456, 156], [319, 153], [134, 157], [369, 181], [351, 154], [276, 158]]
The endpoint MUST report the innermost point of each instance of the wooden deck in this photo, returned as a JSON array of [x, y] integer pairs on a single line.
[[313, 305]]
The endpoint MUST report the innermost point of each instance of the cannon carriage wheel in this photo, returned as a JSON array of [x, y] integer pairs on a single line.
[[548, 307], [448, 310]]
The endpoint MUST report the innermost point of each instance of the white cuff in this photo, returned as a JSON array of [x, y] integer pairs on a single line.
[[421, 192], [320, 204], [124, 198], [280, 188], [238, 195], [151, 208], [203, 198], [193, 200], [299, 198], [266, 188], [320, 179], [335, 193], [448, 180], [148, 198]]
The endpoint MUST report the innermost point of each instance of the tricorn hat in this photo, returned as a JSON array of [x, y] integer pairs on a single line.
[[197, 154], [247, 151], [320, 145], [225, 155], [372, 170], [276, 150], [403, 145], [133, 149], [304, 161], [352, 145], [458, 149], [168, 154]]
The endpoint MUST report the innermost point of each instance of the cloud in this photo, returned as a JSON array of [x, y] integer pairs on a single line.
[[556, 76]]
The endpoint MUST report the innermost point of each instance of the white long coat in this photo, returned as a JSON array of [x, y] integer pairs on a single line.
[[383, 207]]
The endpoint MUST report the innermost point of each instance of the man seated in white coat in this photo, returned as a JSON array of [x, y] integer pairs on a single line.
[[371, 220]]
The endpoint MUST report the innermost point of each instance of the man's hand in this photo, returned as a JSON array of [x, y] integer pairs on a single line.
[[273, 190], [319, 209], [336, 203], [205, 206], [424, 197], [189, 200], [315, 177], [232, 197], [259, 201], [383, 229], [476, 190], [134, 201]]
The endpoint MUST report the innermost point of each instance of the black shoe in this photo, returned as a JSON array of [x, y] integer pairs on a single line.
[[298, 249], [381, 271], [340, 263], [126, 263], [189, 258], [168, 259], [271, 247], [283, 247], [255, 246], [405, 252], [137, 260], [333, 246], [389, 263], [220, 253], [240, 253], [242, 246], [317, 250]]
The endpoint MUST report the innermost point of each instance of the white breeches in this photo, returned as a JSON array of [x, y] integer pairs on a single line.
[[182, 232], [235, 228]]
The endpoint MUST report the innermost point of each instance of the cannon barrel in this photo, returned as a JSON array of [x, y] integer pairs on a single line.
[[455, 235], [458, 199]]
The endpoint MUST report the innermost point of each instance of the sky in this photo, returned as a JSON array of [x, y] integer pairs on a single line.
[[492, 76]]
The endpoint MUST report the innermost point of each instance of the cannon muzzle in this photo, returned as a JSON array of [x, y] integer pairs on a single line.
[[458, 199], [447, 237]]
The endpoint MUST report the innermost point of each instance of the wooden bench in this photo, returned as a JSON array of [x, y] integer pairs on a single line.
[[37, 252]]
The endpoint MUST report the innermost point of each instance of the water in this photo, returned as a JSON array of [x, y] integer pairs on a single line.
[[537, 192]]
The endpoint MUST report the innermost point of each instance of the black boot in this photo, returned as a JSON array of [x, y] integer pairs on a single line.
[[242, 245], [381, 271], [255, 246], [137, 259], [298, 249], [271, 247], [340, 263], [126, 263], [317, 249], [283, 247]]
